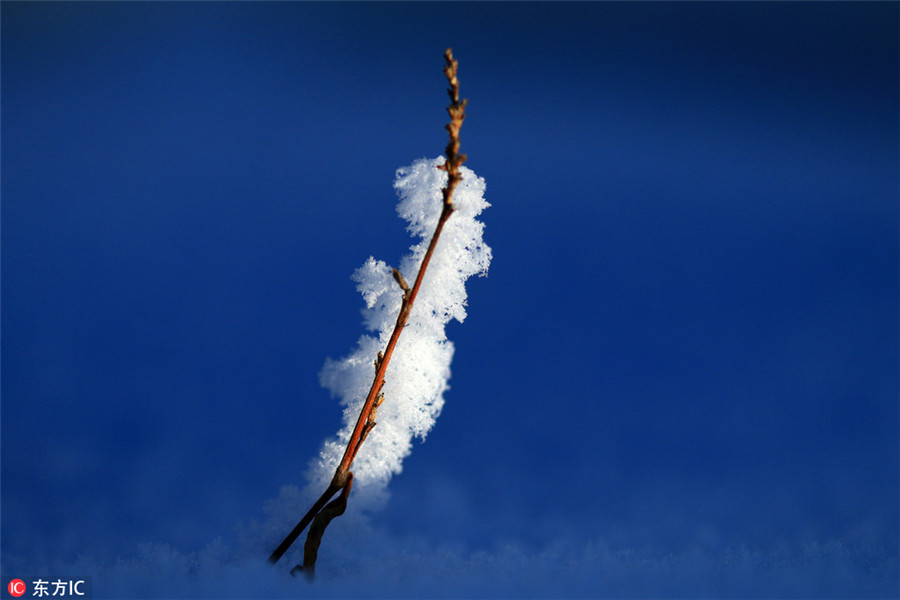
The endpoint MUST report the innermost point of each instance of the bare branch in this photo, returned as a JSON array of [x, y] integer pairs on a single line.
[[335, 508]]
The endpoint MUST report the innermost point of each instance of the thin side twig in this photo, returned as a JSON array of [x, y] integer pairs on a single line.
[[343, 478]]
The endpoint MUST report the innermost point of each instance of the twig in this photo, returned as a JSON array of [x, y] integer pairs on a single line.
[[343, 478], [333, 509]]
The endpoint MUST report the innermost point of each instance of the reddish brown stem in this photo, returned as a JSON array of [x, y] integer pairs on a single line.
[[365, 422], [409, 298]]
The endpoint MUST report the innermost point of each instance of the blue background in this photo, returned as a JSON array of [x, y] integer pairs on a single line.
[[687, 342]]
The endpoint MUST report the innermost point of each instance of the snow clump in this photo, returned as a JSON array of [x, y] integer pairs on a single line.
[[417, 374]]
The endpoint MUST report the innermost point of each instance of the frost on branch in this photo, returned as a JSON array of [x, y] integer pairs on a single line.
[[417, 376]]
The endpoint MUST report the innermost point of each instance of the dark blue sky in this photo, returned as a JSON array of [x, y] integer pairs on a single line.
[[687, 342]]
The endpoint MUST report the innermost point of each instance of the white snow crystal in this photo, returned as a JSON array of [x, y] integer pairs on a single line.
[[417, 375]]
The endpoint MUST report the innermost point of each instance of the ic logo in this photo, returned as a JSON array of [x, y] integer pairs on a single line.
[[16, 588]]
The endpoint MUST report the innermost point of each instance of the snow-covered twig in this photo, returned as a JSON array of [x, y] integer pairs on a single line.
[[343, 477]]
